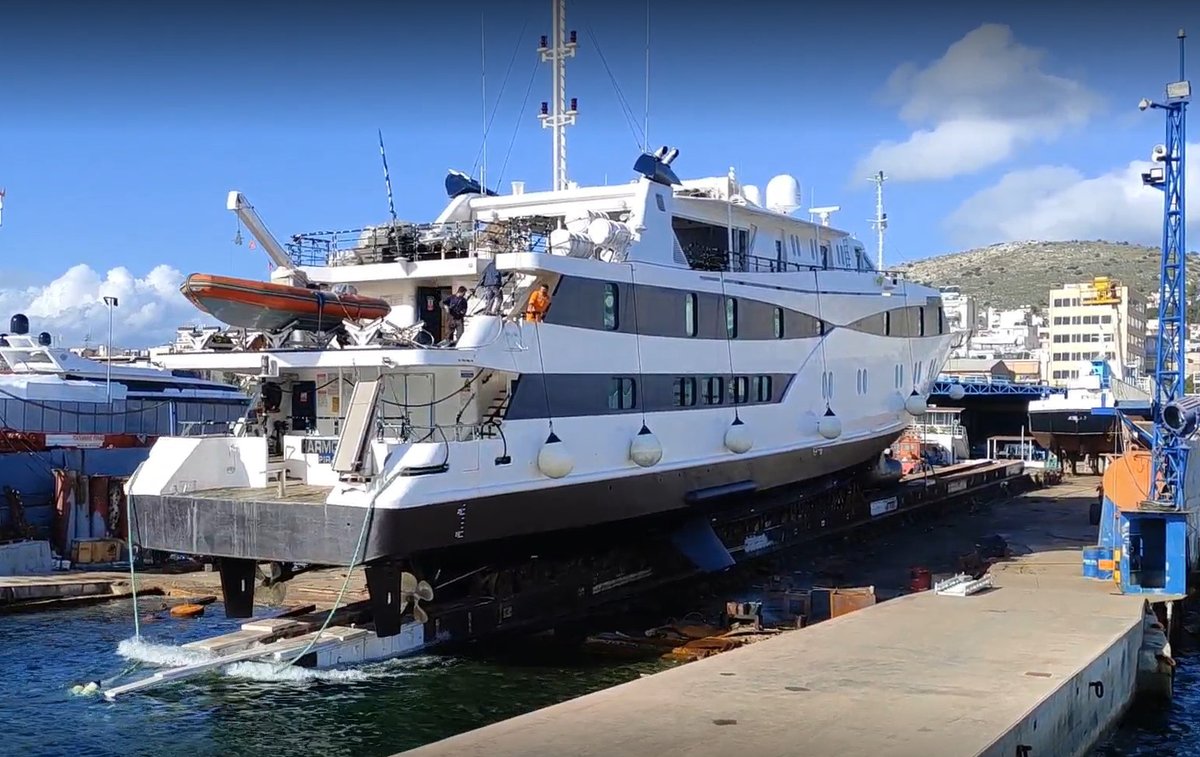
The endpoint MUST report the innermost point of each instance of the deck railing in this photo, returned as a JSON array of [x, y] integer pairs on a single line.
[[389, 243]]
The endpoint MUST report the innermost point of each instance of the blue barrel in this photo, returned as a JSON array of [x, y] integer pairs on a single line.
[[1104, 564], [1091, 562]]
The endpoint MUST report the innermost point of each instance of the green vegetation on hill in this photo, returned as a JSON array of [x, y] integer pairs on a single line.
[[1019, 274]]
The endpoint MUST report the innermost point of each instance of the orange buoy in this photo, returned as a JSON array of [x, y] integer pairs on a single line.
[[187, 611]]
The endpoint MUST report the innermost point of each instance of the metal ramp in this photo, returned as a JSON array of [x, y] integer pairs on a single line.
[[274, 651], [347, 458]]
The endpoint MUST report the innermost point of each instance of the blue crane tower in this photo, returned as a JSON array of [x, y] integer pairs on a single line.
[[1152, 541], [1170, 450]]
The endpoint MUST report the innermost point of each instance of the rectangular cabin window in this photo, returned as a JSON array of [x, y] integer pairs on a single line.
[[714, 390], [762, 388], [920, 321], [685, 391], [611, 304], [887, 323], [941, 321], [622, 394], [731, 317], [739, 389], [778, 323], [690, 314]]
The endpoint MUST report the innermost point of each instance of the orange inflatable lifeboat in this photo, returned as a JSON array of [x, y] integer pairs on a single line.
[[266, 306]]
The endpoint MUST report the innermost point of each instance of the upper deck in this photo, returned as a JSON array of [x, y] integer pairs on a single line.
[[708, 224]]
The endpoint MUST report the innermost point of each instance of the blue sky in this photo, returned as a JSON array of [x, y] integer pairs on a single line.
[[124, 130]]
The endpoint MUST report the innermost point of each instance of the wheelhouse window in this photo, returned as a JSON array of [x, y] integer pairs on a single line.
[[690, 314], [762, 389], [622, 394], [611, 305], [920, 321], [714, 390], [685, 391], [778, 323], [739, 389], [731, 317]]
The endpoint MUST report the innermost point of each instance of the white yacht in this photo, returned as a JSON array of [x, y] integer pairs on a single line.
[[697, 344], [51, 398], [701, 344]]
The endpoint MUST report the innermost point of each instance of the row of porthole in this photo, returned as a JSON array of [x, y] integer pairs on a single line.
[[646, 451]]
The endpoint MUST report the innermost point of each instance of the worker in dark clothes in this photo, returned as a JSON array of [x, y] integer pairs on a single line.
[[456, 307], [489, 284]]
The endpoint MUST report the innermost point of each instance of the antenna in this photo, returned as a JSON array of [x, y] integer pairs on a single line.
[[557, 115], [483, 98], [2, 190], [646, 127], [879, 222], [387, 179]]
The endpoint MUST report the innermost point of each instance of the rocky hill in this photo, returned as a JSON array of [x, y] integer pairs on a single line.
[[1016, 274]]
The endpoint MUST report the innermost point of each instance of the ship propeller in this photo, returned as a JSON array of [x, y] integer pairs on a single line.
[[271, 585], [412, 590]]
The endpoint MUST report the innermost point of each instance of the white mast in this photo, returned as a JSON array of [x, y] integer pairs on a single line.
[[879, 222], [557, 115]]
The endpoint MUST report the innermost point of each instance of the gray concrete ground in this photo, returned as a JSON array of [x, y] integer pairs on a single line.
[[918, 675]]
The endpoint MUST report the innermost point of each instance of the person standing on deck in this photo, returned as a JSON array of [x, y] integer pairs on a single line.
[[456, 307], [490, 282], [539, 303]]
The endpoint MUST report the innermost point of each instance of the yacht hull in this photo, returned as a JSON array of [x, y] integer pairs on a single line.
[[223, 523], [1073, 432]]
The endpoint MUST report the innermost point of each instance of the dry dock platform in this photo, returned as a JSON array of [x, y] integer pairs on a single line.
[[1042, 664]]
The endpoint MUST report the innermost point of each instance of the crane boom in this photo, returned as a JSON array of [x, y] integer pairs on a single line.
[[238, 203]]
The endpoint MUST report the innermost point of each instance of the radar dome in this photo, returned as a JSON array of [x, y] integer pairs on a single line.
[[752, 195], [18, 324], [783, 194]]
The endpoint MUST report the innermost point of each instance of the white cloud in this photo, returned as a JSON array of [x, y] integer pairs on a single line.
[[975, 107], [71, 307], [1057, 202]]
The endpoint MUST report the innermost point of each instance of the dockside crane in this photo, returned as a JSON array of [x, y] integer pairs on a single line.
[[1150, 519]]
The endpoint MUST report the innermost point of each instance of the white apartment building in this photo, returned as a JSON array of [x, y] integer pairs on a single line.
[[961, 317], [1097, 319], [1005, 333]]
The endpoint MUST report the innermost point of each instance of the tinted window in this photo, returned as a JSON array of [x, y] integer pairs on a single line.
[[622, 394], [611, 302], [690, 314], [685, 391], [739, 389], [714, 390]]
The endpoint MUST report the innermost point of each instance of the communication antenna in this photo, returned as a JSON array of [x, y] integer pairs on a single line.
[[387, 179], [879, 222], [2, 206], [556, 114]]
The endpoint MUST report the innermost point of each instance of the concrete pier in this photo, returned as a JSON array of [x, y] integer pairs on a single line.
[[1043, 664]]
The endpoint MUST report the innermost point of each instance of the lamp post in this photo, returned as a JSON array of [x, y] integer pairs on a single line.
[[111, 303]]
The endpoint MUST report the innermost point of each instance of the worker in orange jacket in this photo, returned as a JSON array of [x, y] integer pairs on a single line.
[[539, 303]]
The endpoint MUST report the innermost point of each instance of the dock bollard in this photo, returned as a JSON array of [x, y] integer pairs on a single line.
[[919, 579]]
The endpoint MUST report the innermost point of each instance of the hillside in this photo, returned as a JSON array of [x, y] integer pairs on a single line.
[[1015, 274]]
